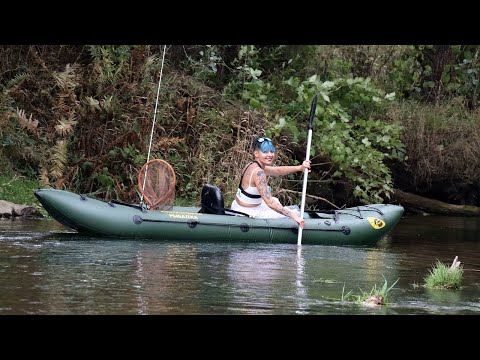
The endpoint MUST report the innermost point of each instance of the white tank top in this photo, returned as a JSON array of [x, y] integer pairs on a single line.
[[250, 190]]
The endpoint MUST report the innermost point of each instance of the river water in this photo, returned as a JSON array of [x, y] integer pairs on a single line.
[[48, 269]]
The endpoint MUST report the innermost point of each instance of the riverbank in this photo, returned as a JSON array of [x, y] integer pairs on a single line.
[[19, 190]]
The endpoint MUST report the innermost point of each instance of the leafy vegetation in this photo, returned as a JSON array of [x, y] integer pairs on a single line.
[[442, 142], [80, 117]]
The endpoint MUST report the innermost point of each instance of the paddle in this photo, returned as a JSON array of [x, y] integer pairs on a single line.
[[307, 157]]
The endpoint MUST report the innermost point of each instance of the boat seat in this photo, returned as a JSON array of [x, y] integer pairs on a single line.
[[212, 202]]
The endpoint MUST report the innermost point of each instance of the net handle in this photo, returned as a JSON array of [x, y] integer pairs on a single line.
[[154, 118], [141, 183]]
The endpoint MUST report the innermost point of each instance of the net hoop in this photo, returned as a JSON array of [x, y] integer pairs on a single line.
[[143, 173]]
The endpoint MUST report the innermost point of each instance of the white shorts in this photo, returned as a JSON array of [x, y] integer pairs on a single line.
[[263, 211]]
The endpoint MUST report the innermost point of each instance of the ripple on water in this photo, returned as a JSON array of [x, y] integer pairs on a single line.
[[64, 273]]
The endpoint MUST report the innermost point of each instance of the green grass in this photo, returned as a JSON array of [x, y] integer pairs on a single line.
[[381, 292], [443, 277], [19, 190]]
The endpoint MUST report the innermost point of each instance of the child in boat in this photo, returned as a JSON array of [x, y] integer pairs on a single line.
[[253, 196]]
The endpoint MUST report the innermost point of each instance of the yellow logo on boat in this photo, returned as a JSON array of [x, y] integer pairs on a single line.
[[183, 216], [179, 212], [376, 223]]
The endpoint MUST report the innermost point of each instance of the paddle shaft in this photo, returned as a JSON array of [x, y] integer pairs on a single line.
[[307, 157]]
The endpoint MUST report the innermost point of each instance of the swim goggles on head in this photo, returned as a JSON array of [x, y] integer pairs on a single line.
[[265, 144], [262, 139]]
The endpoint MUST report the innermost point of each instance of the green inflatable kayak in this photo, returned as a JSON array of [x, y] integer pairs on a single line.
[[361, 225]]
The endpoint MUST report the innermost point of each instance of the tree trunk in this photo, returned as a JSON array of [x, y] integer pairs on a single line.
[[416, 202], [441, 57]]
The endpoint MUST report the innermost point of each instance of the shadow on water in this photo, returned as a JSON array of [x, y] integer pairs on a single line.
[[46, 269]]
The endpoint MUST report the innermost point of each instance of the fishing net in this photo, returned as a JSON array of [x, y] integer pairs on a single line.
[[156, 181]]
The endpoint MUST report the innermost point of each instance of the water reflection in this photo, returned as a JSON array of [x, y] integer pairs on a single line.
[[45, 269], [232, 278], [358, 269], [301, 291], [262, 279], [166, 278], [87, 278], [444, 297]]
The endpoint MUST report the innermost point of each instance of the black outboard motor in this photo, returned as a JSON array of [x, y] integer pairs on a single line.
[[212, 200]]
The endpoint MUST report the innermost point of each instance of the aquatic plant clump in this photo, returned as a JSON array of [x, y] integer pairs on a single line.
[[444, 277], [374, 297]]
